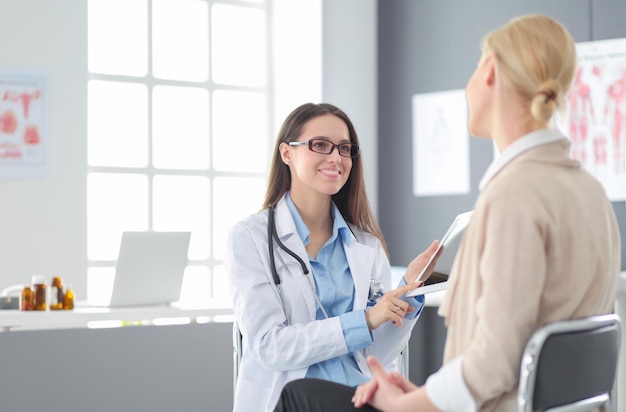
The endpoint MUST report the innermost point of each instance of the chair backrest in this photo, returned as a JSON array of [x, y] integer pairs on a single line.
[[570, 365], [402, 361], [237, 350]]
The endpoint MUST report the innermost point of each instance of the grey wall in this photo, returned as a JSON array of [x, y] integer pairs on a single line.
[[349, 74], [434, 45], [428, 46]]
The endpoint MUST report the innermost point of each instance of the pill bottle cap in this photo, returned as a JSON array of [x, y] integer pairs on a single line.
[[38, 279]]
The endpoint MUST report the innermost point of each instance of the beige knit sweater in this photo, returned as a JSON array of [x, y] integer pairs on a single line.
[[543, 245]]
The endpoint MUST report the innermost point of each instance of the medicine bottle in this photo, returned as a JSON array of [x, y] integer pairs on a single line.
[[68, 299], [39, 290], [26, 298], [56, 293]]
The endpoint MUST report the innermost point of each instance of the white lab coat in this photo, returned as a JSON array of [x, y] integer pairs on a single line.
[[274, 353]]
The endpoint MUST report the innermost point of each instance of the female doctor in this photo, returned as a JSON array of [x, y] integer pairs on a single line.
[[308, 271]]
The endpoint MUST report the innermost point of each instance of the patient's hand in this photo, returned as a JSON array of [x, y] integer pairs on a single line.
[[391, 392], [381, 390]]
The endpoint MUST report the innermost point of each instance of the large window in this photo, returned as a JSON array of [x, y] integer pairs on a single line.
[[180, 99]]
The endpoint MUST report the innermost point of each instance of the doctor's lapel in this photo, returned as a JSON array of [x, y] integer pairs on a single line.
[[361, 261]]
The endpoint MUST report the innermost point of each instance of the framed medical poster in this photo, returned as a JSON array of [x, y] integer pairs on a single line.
[[440, 144], [23, 137], [594, 118]]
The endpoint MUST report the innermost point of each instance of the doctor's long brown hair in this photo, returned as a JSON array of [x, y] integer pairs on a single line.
[[351, 200]]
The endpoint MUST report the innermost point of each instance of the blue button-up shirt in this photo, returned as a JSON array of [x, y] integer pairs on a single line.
[[335, 289]]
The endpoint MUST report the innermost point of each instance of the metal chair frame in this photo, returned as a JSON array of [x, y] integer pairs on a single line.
[[560, 371], [237, 351]]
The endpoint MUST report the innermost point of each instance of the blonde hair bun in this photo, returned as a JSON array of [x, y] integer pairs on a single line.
[[545, 102]]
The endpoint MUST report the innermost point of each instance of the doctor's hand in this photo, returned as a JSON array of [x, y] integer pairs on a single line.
[[416, 266], [390, 307]]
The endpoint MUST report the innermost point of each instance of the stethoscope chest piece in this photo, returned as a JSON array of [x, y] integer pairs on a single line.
[[376, 292]]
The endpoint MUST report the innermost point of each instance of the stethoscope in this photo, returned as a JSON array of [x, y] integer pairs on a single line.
[[376, 288]]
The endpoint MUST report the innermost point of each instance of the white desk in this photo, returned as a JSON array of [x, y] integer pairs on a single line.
[[135, 368], [92, 317]]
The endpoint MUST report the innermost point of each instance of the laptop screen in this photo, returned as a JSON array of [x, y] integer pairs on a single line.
[[150, 268]]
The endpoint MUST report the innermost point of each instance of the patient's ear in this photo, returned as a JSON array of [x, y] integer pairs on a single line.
[[490, 70]]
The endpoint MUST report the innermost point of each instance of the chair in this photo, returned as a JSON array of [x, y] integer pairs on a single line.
[[571, 365], [402, 361], [237, 351]]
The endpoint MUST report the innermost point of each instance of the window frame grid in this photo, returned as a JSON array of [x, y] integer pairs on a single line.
[[151, 82]]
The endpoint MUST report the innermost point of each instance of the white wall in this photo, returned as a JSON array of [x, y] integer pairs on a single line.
[[42, 220]]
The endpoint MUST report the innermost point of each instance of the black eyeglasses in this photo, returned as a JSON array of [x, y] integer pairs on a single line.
[[324, 146]]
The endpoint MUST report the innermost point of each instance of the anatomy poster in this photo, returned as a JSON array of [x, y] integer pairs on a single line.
[[440, 144], [22, 132], [595, 113]]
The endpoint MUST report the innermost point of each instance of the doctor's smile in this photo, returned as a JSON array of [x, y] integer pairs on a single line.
[[331, 172]]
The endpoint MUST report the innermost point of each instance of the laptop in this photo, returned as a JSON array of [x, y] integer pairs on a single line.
[[150, 268], [441, 261]]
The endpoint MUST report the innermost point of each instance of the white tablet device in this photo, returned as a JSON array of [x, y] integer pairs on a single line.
[[435, 273]]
